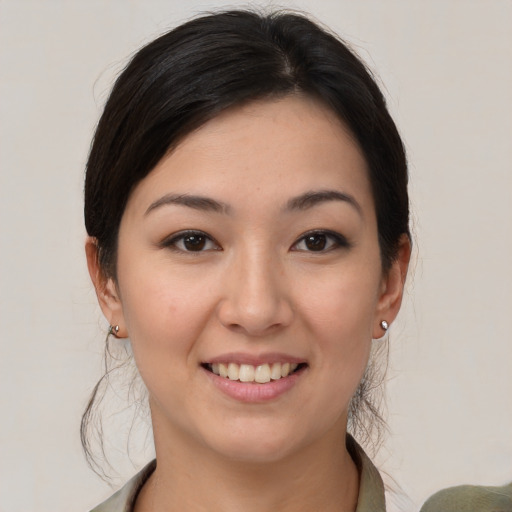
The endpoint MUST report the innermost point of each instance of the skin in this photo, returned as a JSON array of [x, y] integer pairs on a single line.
[[255, 288]]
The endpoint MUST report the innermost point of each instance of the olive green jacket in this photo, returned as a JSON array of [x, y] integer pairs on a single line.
[[471, 498]]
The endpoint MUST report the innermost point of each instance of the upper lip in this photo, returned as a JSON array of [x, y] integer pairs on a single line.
[[255, 360]]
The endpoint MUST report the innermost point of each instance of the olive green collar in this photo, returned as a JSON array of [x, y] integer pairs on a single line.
[[371, 489]]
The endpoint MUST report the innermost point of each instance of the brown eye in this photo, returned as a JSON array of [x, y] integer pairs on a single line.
[[320, 241], [191, 241], [194, 242], [315, 242]]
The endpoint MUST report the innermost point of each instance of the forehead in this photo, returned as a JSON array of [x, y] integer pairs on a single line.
[[265, 150]]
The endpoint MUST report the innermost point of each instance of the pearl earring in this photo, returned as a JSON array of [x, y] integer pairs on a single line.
[[384, 325]]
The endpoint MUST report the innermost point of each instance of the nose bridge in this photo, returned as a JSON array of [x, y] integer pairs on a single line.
[[256, 300]]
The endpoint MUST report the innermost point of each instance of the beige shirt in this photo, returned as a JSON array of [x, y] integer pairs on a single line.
[[371, 489]]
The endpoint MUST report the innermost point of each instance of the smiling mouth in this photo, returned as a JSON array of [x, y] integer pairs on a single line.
[[260, 374]]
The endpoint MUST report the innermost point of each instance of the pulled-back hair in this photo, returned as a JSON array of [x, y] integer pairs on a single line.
[[190, 74]]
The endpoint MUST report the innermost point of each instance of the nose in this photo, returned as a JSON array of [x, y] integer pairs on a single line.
[[255, 299]]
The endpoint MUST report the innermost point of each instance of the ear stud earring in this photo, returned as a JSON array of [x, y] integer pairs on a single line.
[[113, 329], [384, 325]]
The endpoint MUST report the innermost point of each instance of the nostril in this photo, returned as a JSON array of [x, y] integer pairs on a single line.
[[255, 329]]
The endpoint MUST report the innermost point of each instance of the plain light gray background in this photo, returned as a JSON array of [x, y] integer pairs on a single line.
[[447, 70]]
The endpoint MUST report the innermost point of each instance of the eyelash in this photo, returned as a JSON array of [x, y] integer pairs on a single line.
[[337, 241], [173, 240]]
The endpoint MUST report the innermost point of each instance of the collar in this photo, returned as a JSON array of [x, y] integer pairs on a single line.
[[371, 488]]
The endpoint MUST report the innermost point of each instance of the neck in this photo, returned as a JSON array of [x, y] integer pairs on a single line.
[[322, 476]]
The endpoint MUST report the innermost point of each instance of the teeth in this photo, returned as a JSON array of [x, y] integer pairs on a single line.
[[249, 373], [275, 373], [233, 371], [246, 373], [223, 370], [262, 374]]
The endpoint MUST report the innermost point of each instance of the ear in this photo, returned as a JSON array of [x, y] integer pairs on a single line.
[[392, 288], [106, 289]]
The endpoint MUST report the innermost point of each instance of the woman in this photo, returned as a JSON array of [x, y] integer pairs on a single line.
[[247, 211]]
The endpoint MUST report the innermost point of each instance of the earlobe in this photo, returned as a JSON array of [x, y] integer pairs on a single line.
[[106, 289], [392, 290]]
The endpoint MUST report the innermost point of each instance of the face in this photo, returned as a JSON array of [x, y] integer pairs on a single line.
[[250, 284]]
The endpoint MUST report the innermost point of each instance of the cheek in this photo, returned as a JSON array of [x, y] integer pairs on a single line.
[[340, 314], [164, 311], [344, 306]]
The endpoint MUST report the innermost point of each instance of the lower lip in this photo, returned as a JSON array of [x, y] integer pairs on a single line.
[[253, 392]]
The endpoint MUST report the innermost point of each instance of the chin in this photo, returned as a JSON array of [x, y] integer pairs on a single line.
[[256, 452], [257, 445]]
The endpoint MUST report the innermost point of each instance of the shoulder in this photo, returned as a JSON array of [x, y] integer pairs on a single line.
[[124, 499], [471, 498]]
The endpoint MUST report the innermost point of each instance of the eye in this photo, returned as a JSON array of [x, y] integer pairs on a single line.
[[320, 241], [191, 241]]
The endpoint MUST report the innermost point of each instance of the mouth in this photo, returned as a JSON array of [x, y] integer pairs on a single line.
[[258, 374]]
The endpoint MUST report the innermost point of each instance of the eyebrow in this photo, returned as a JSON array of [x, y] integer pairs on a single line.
[[196, 202], [316, 197], [303, 202]]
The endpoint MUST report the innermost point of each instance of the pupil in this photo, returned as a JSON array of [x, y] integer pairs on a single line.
[[316, 242], [194, 242]]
